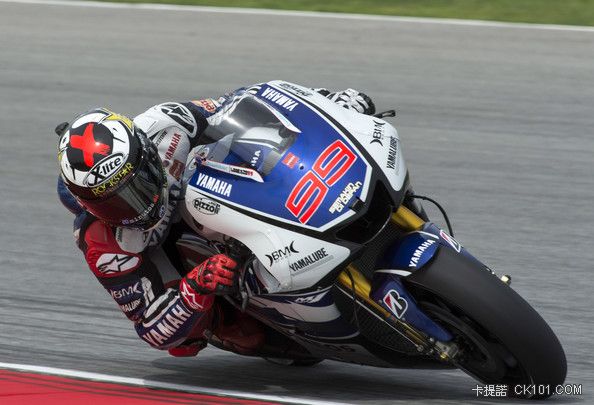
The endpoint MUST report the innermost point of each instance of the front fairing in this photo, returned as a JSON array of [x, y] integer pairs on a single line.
[[283, 168], [284, 151]]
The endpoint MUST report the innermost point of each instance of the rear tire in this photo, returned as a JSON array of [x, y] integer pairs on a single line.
[[504, 340]]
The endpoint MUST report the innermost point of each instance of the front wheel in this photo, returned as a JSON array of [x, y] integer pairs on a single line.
[[502, 339]]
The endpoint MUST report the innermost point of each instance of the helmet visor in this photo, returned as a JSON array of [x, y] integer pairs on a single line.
[[141, 200]]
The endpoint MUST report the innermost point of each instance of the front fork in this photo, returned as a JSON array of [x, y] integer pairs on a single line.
[[398, 308]]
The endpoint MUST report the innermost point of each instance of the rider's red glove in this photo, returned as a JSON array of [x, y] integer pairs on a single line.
[[213, 276]]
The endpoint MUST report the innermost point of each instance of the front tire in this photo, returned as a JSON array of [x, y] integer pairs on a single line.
[[503, 339]]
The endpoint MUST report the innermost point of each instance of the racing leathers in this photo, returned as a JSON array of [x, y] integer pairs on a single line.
[[138, 269]]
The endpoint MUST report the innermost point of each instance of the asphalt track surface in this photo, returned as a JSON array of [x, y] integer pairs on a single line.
[[497, 124]]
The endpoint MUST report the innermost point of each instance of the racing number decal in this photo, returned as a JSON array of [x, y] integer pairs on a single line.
[[338, 152], [303, 192], [310, 191]]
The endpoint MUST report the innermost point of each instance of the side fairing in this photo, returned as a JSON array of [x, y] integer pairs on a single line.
[[288, 260]]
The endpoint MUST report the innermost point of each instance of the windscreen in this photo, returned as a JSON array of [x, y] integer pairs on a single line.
[[251, 134]]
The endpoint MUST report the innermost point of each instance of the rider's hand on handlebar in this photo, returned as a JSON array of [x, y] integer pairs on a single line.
[[216, 275], [353, 100]]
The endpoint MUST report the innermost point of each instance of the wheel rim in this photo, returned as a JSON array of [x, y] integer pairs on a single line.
[[483, 357]]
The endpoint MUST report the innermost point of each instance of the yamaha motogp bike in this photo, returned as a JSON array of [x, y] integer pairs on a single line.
[[339, 260]]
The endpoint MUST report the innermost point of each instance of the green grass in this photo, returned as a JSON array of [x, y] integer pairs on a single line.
[[571, 12]]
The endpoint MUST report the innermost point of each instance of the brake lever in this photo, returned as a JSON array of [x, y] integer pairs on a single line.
[[389, 113]]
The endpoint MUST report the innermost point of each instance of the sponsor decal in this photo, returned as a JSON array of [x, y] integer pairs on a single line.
[[104, 169], [416, 256], [117, 117], [279, 99], [114, 180], [191, 298], [126, 291], [110, 263], [131, 306], [312, 299], [215, 185], [164, 329], [143, 214], [345, 196], [290, 160], [281, 254], [450, 240], [158, 137], [378, 132], [234, 170], [177, 169], [395, 303], [304, 263], [255, 158], [208, 104], [310, 191], [206, 206], [172, 146], [179, 114], [89, 146], [241, 171], [294, 89], [392, 162]]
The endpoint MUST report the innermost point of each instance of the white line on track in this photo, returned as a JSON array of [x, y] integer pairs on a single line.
[[161, 385], [309, 14]]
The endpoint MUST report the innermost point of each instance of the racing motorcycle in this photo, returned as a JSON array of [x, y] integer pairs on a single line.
[[339, 260]]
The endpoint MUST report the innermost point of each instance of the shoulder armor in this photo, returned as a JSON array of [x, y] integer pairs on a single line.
[[166, 115], [132, 240]]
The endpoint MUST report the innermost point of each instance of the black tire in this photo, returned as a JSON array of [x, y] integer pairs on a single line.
[[506, 341]]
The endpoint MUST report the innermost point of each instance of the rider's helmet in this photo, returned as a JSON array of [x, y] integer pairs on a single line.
[[113, 170]]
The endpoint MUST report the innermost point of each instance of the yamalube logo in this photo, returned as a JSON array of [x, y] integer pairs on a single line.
[[318, 257], [104, 169], [206, 206]]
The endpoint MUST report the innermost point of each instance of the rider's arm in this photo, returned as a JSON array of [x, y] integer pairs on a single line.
[[163, 316]]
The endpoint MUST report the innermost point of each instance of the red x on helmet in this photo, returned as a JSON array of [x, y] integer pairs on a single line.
[[113, 170]]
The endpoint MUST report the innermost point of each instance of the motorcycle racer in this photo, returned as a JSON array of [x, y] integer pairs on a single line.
[[122, 179]]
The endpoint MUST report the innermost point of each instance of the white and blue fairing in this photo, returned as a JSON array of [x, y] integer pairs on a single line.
[[262, 160]]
